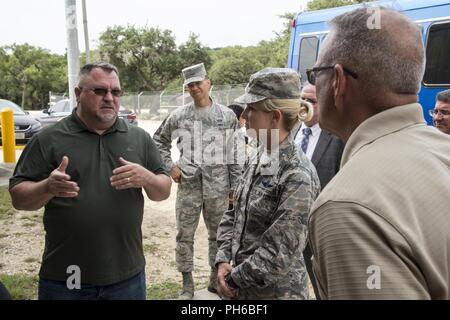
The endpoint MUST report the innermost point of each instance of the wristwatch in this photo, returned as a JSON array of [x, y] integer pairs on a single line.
[[230, 282]]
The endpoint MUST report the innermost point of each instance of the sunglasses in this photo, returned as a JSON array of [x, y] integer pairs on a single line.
[[103, 91]]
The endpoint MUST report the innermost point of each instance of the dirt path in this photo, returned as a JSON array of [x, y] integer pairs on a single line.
[[22, 243], [159, 230]]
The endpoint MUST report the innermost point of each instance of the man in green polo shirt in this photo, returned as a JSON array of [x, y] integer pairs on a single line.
[[88, 170]]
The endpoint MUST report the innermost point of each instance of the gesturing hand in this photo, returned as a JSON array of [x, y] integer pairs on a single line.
[[59, 184], [130, 175]]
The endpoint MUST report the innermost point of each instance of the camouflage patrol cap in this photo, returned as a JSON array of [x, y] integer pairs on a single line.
[[272, 83], [194, 73]]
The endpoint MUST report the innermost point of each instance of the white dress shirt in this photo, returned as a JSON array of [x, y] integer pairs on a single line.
[[313, 139]]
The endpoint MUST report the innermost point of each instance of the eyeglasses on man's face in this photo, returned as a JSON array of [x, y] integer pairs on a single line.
[[436, 112], [312, 73], [103, 91]]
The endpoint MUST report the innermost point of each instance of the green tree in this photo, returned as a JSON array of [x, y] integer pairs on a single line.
[[29, 73], [235, 64], [278, 47], [235, 68], [146, 57], [193, 52], [323, 4]]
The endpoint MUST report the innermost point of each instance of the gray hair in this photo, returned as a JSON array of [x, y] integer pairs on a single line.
[[384, 57], [443, 96], [87, 68]]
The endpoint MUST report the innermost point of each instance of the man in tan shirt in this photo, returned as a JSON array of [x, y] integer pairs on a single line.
[[380, 229]]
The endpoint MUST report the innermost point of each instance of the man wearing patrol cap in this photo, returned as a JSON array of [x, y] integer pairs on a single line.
[[195, 73], [203, 185]]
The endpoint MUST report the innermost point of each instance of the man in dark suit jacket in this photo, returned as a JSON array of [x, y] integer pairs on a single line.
[[324, 150]]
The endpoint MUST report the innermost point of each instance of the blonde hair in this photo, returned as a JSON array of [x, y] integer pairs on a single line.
[[294, 110]]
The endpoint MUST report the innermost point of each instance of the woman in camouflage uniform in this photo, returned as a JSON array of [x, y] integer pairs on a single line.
[[262, 238]]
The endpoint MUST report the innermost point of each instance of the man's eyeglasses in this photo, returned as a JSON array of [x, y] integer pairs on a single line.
[[436, 112], [103, 91], [312, 73]]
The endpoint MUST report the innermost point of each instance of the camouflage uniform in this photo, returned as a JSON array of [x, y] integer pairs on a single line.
[[205, 182], [265, 234]]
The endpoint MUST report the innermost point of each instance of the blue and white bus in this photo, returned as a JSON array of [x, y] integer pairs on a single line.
[[309, 30]]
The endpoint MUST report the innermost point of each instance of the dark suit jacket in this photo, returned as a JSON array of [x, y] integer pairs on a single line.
[[327, 157]]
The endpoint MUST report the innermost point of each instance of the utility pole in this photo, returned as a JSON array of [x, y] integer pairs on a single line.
[[73, 53], [86, 33]]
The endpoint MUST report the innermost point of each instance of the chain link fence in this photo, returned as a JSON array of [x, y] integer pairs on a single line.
[[158, 104]]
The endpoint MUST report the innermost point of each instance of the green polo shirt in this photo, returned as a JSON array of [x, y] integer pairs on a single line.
[[100, 229]]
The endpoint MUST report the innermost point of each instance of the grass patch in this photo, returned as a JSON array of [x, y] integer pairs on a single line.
[[24, 287], [21, 287], [163, 291], [6, 208]]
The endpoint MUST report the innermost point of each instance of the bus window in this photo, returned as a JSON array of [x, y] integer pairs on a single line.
[[437, 71], [308, 55]]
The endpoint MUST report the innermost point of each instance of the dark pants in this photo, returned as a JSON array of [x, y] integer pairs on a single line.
[[307, 255], [4, 294], [130, 289]]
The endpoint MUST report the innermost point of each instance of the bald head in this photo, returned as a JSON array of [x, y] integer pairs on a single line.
[[388, 57]]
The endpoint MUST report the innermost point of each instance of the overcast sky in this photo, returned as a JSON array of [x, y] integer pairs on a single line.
[[218, 23]]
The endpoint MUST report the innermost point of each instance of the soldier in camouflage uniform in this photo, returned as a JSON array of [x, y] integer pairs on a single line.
[[262, 238], [205, 174]]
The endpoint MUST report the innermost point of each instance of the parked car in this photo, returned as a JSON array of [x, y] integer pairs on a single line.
[[59, 110], [25, 125], [128, 115], [63, 108]]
